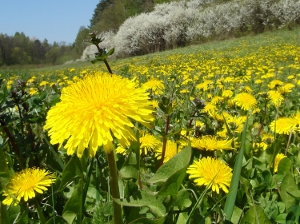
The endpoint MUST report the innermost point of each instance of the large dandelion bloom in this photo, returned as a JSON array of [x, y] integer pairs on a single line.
[[95, 109], [211, 143], [209, 170], [245, 100], [25, 183]]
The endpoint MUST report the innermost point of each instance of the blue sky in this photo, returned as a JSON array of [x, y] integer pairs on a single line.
[[54, 20]]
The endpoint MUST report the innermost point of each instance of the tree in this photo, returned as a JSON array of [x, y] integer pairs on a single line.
[[6, 46], [82, 35], [38, 52], [98, 11]]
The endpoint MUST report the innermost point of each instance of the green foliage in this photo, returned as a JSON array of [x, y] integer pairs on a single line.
[[110, 14], [20, 50]]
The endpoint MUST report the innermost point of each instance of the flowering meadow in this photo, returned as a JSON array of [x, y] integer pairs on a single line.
[[202, 134]]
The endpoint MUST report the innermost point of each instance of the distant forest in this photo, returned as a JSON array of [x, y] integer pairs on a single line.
[[108, 15]]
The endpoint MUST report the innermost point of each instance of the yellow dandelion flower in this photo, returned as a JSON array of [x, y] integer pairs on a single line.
[[245, 100], [184, 91], [32, 79], [26, 183], [32, 91], [287, 88], [248, 89], [275, 97], [267, 140], [209, 107], [227, 93], [235, 123], [121, 150], [171, 150], [216, 99], [155, 85], [275, 83], [9, 84], [199, 124], [43, 83], [211, 143], [284, 125], [278, 157], [149, 142], [95, 109], [212, 171], [154, 103]]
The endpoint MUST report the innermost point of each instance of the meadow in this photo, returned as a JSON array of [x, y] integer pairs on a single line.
[[202, 134]]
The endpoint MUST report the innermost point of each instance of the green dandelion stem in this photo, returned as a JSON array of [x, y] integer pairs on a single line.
[[230, 201], [114, 187]]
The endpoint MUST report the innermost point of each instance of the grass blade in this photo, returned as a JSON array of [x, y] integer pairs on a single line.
[[230, 201]]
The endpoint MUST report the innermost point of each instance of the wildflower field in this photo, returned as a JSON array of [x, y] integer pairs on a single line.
[[202, 134]]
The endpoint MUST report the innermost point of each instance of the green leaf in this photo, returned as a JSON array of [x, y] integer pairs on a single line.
[[9, 215], [293, 215], [57, 220], [73, 206], [145, 199], [268, 180], [54, 99], [288, 185], [284, 165], [182, 218], [149, 221], [72, 169], [295, 194], [281, 218], [110, 52], [129, 172], [236, 215], [95, 61], [255, 215], [178, 162], [182, 200], [4, 171], [230, 201], [130, 169], [173, 183]]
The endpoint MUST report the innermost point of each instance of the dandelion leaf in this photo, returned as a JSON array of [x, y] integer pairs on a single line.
[[179, 162], [255, 215], [288, 185], [71, 170]]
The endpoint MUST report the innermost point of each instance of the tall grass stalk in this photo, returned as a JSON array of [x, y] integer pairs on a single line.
[[230, 201]]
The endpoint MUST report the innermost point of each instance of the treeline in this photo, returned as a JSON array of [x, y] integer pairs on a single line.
[[22, 50]]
